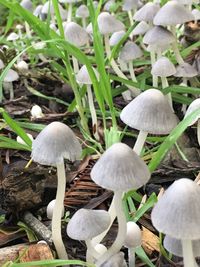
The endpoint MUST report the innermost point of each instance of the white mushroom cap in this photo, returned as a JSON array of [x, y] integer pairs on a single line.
[[50, 208], [116, 260], [22, 65], [172, 13], [27, 4], [174, 246], [156, 47], [36, 112], [192, 107], [129, 5], [38, 10], [177, 212], [150, 112], [130, 51], [120, 168], [21, 141], [147, 12], [82, 12], [86, 224], [47, 8], [109, 24], [55, 142], [141, 28], [109, 5], [83, 76], [159, 36], [75, 34], [12, 36], [185, 70], [116, 37], [11, 76], [187, 2], [163, 67], [133, 236], [196, 14]]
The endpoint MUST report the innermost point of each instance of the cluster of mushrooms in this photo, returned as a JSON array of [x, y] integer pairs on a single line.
[[120, 168]]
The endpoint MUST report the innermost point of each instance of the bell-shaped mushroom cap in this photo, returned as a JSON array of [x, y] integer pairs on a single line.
[[141, 28], [157, 47], [174, 246], [120, 168], [177, 212], [116, 37], [158, 35], [75, 34], [133, 235], [130, 51], [50, 208], [129, 5], [47, 7], [55, 142], [149, 112], [163, 67], [109, 5], [12, 36], [82, 12], [185, 70], [27, 4], [11, 76], [147, 12], [192, 107], [196, 14], [86, 224], [172, 13], [116, 260], [83, 76], [109, 24]]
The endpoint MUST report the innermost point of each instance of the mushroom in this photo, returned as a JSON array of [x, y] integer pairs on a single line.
[[50, 209], [177, 214], [69, 11], [132, 241], [130, 6], [36, 112], [171, 14], [116, 260], [83, 78], [11, 76], [147, 12], [86, 224], [151, 113], [55, 143], [83, 13], [124, 170]]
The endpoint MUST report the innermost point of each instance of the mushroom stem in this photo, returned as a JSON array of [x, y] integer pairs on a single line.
[[198, 131], [69, 12], [91, 252], [122, 228], [57, 212], [8, 86], [92, 111], [140, 142], [131, 70], [188, 256], [75, 65], [115, 67], [112, 213], [153, 60], [131, 257], [84, 24], [175, 47], [130, 16], [169, 95]]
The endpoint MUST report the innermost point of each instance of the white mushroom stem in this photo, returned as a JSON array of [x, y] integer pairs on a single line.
[[92, 111], [131, 70], [69, 13], [57, 212], [75, 65], [188, 256], [112, 212], [140, 142], [131, 257], [198, 131], [91, 252], [8, 86], [122, 64], [122, 229], [169, 95], [130, 16], [115, 67], [175, 47], [84, 24], [153, 60]]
